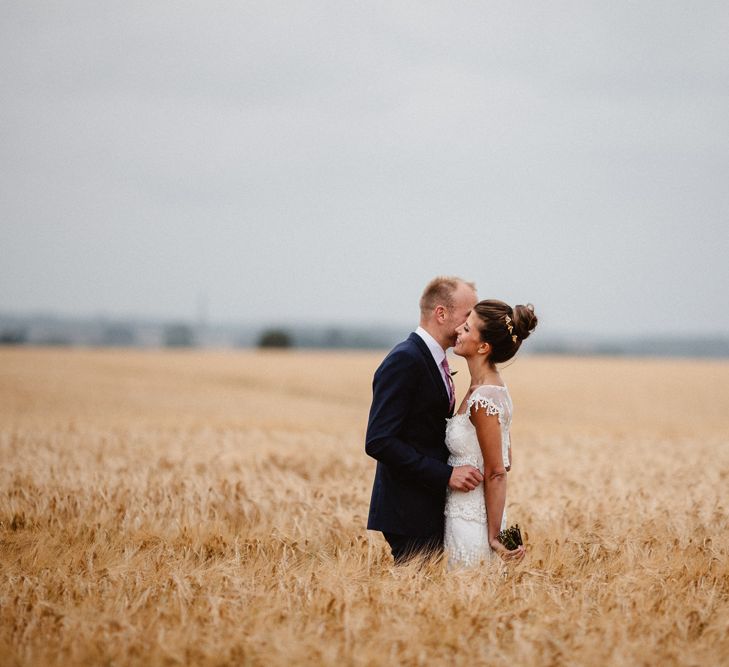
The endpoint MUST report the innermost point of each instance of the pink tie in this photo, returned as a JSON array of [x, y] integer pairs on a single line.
[[451, 386]]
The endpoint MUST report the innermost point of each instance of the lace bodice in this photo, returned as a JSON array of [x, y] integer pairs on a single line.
[[462, 443]]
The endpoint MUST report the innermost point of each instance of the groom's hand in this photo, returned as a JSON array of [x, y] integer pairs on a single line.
[[465, 478]]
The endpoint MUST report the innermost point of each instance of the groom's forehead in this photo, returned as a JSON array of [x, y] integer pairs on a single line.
[[469, 296]]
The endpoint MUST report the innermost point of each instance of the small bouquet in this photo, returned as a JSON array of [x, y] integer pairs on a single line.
[[510, 537]]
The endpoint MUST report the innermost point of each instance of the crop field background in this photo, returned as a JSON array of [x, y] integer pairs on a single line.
[[209, 508]]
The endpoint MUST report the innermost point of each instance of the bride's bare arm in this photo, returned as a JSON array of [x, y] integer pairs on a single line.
[[488, 431]]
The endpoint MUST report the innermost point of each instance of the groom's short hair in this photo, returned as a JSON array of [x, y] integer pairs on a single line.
[[439, 292]]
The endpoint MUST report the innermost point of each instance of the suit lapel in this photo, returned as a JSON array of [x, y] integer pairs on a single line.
[[432, 367]]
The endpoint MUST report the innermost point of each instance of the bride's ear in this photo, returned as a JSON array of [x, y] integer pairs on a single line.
[[484, 348]]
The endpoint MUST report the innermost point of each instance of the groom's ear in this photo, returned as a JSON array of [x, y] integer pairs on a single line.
[[440, 313]]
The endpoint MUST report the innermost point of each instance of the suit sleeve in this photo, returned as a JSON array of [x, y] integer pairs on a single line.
[[394, 386]]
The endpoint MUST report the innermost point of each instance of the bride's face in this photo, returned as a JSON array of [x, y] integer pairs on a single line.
[[468, 337]]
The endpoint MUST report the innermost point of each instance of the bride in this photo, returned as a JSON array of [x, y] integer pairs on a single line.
[[478, 434]]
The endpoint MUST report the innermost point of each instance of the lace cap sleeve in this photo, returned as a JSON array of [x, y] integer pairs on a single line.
[[485, 398]]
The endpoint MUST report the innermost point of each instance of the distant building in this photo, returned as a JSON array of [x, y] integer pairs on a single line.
[[118, 335], [178, 335]]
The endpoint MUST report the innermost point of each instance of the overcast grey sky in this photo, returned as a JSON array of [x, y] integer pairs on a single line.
[[319, 162]]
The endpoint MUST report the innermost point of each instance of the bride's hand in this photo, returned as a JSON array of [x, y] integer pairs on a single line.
[[504, 553]]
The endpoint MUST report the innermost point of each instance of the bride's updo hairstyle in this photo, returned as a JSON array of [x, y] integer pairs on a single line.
[[504, 327]]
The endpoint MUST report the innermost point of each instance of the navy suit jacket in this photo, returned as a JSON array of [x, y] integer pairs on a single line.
[[406, 434]]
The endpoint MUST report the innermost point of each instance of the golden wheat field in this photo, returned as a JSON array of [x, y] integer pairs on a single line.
[[209, 508]]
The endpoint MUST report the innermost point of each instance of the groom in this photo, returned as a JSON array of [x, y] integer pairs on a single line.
[[413, 394]]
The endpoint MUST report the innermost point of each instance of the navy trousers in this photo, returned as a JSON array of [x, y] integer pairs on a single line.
[[405, 547]]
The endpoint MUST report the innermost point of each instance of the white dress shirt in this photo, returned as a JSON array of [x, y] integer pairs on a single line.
[[437, 351]]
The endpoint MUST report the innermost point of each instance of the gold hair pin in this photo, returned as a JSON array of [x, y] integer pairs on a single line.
[[510, 328]]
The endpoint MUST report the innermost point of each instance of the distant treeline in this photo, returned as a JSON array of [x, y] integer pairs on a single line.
[[105, 332], [59, 331]]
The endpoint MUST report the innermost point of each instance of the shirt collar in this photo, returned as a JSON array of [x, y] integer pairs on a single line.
[[435, 349]]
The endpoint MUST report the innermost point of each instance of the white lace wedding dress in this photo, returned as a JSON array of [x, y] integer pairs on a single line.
[[466, 535]]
